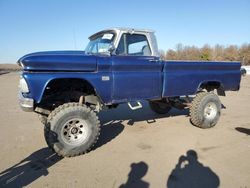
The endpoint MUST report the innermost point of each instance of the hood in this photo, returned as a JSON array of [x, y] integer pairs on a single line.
[[58, 61]]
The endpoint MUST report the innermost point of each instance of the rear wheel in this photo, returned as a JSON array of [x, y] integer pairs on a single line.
[[205, 110], [72, 129], [160, 107]]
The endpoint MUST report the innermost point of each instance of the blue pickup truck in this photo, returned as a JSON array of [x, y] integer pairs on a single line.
[[119, 65]]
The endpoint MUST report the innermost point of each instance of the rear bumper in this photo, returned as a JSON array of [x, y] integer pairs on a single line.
[[26, 104]]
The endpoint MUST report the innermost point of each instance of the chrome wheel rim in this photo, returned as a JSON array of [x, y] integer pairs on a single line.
[[210, 111], [75, 131]]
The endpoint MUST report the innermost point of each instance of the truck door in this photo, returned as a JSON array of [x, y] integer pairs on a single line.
[[136, 74]]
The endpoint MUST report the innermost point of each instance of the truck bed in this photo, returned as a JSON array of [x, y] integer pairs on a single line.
[[185, 77]]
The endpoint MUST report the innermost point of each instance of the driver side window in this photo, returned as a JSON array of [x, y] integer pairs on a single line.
[[133, 45]]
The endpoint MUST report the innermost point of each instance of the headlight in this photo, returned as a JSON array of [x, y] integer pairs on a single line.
[[23, 86]]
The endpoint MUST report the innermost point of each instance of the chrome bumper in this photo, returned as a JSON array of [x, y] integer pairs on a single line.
[[27, 104]]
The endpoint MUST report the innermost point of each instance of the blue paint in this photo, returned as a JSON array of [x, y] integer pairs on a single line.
[[59, 61], [136, 78], [185, 77], [131, 78]]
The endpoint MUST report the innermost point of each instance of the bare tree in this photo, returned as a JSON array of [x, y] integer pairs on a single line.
[[208, 53]]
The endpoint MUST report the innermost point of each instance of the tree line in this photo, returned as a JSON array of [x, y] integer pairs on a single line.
[[209, 53]]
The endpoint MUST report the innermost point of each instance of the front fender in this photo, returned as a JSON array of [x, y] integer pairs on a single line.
[[38, 81]]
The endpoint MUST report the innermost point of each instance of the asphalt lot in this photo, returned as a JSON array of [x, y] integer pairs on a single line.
[[136, 148]]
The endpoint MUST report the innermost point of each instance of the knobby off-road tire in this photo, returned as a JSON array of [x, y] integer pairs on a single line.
[[72, 129], [205, 110], [160, 107]]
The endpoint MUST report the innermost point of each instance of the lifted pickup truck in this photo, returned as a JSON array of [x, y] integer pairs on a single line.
[[119, 65]]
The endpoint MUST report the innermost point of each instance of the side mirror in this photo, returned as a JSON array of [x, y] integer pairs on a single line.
[[111, 48]]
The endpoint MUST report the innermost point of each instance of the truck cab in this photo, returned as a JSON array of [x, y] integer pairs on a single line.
[[134, 61]]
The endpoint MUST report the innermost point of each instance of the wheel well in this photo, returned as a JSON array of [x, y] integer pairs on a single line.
[[62, 90], [212, 85], [70, 84]]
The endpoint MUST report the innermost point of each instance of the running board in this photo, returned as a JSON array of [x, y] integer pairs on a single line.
[[139, 105]]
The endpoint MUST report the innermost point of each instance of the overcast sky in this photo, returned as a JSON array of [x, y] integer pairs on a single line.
[[41, 25]]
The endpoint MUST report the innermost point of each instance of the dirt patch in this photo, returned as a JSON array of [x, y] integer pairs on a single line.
[[167, 151], [7, 68]]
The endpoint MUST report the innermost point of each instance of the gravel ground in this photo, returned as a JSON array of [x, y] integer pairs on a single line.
[[136, 149]]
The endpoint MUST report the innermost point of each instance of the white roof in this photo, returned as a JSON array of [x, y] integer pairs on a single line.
[[128, 29], [124, 29]]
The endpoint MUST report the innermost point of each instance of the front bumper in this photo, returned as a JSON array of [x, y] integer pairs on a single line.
[[27, 104]]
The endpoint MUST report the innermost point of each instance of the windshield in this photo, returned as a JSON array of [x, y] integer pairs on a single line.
[[100, 43]]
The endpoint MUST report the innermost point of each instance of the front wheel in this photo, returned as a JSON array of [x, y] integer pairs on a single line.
[[72, 129], [205, 110]]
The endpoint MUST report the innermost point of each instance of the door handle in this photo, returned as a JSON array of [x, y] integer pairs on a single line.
[[154, 60]]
